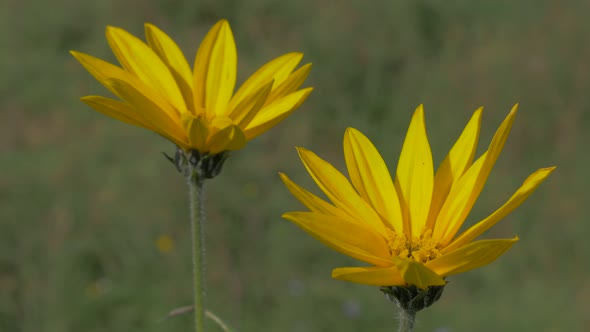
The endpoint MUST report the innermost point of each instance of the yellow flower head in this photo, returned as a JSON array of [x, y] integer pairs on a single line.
[[407, 229], [197, 110], [165, 243]]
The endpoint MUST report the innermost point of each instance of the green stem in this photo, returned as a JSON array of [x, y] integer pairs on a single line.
[[197, 214], [406, 320]]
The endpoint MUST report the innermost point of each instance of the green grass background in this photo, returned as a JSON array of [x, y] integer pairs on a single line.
[[83, 198]]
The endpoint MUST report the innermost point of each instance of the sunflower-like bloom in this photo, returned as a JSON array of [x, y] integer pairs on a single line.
[[407, 229], [196, 109]]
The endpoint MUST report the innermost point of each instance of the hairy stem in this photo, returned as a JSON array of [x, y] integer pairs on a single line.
[[406, 320], [197, 215]]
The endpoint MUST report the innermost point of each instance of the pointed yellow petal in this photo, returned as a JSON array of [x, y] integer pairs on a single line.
[[370, 176], [197, 132], [351, 239], [403, 273], [457, 161], [417, 274], [151, 111], [248, 108], [274, 113], [314, 203], [139, 59], [105, 72], [118, 110], [340, 191], [276, 70], [290, 85], [237, 140], [201, 65], [221, 71], [459, 196], [464, 194], [172, 56], [471, 256], [370, 275], [415, 173], [224, 136], [102, 70], [527, 188]]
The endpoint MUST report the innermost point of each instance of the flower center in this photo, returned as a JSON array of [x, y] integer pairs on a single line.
[[420, 249]]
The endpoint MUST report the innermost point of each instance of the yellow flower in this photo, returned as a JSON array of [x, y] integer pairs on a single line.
[[197, 110], [165, 243], [407, 229]]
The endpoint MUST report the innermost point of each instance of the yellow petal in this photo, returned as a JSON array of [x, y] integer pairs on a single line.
[[118, 110], [370, 275], [314, 203], [197, 132], [172, 56], [237, 141], [527, 188], [221, 71], [274, 113], [201, 65], [340, 191], [370, 176], [247, 109], [290, 85], [414, 176], [417, 274], [151, 111], [471, 256], [276, 70], [139, 59], [104, 72], [457, 161], [403, 273], [464, 194], [224, 136], [348, 238]]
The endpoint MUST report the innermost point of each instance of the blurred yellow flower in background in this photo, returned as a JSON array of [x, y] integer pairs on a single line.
[[407, 229], [165, 243], [197, 110]]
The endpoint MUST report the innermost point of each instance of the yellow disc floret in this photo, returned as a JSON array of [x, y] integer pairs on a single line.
[[420, 249]]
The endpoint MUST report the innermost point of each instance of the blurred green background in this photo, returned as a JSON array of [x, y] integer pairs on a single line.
[[85, 200]]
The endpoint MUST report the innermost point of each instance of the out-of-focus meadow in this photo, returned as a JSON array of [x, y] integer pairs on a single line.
[[93, 219]]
